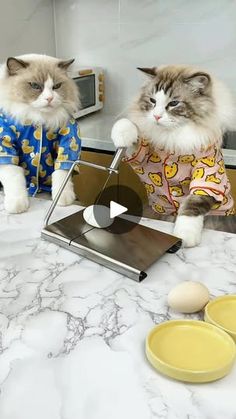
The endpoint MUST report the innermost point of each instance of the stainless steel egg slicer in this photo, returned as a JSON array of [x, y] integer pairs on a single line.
[[130, 253]]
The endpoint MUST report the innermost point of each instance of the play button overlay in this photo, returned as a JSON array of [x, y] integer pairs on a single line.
[[126, 208], [116, 209]]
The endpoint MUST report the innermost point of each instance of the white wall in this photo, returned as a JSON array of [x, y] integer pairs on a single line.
[[123, 34], [26, 26]]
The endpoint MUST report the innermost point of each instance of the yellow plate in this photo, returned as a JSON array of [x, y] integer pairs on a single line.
[[222, 312], [190, 350]]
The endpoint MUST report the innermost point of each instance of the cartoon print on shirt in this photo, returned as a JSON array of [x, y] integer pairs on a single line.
[[230, 211], [64, 131], [26, 148], [165, 199], [73, 145], [221, 169], [156, 178], [209, 161], [36, 150], [188, 158], [216, 206], [25, 167], [177, 176], [158, 208], [61, 156], [212, 178], [149, 188], [225, 200], [37, 134], [49, 159], [176, 204], [198, 173], [139, 170], [51, 135], [14, 160], [176, 190], [200, 192], [171, 170], [6, 141], [154, 157], [42, 173], [13, 128], [35, 160], [185, 182]]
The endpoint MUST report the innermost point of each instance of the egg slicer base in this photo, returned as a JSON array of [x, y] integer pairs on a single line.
[[130, 253]]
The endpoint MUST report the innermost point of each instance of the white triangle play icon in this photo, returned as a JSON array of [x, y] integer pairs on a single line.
[[116, 209]]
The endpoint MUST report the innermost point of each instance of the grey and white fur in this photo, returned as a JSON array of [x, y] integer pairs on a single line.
[[180, 109]]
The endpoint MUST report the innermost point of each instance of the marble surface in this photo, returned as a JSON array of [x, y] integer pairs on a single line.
[[72, 332]]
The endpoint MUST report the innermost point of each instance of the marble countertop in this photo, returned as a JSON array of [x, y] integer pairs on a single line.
[[72, 332]]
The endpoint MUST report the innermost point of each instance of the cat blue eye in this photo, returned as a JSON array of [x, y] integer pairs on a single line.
[[152, 100], [173, 103], [35, 86], [57, 86]]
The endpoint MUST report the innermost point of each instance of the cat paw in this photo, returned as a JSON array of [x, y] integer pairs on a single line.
[[124, 133], [67, 197], [189, 229], [16, 205]]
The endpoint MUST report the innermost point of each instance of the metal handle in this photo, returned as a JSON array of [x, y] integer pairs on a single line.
[[112, 169], [119, 154]]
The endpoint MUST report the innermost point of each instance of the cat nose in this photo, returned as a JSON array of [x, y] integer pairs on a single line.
[[49, 99], [157, 117]]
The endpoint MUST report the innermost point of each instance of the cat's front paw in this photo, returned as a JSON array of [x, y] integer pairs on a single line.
[[16, 204], [67, 197], [189, 229], [124, 133]]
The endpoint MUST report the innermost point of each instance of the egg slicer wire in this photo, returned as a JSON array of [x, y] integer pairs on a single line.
[[130, 252]]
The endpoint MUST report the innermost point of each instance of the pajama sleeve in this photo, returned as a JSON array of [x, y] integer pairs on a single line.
[[140, 155], [8, 146], [69, 146], [209, 176]]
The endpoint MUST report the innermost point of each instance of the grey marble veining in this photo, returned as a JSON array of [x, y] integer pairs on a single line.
[[72, 332]]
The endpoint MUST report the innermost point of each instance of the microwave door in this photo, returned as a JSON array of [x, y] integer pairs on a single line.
[[86, 86]]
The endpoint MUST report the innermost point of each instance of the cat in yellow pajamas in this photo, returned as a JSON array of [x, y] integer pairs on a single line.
[[174, 133]]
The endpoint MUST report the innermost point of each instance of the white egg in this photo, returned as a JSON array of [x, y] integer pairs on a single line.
[[188, 297], [98, 216]]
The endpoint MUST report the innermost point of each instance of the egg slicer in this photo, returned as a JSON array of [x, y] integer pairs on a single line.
[[130, 252]]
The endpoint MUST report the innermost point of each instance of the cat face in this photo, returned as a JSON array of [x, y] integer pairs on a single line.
[[37, 87], [42, 84], [176, 95]]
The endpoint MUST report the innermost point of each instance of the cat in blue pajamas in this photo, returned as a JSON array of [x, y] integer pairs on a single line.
[[39, 139]]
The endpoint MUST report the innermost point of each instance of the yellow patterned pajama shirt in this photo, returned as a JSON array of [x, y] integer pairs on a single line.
[[170, 178]]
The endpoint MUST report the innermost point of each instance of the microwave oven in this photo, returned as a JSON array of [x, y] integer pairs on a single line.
[[90, 83]]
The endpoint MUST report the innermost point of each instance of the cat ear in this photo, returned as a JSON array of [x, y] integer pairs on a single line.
[[198, 81], [150, 71], [15, 64], [65, 64]]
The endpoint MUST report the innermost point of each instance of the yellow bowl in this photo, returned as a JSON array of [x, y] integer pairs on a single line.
[[190, 350], [222, 313]]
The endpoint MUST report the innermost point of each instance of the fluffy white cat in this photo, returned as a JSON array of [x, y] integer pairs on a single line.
[[37, 133], [173, 135]]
